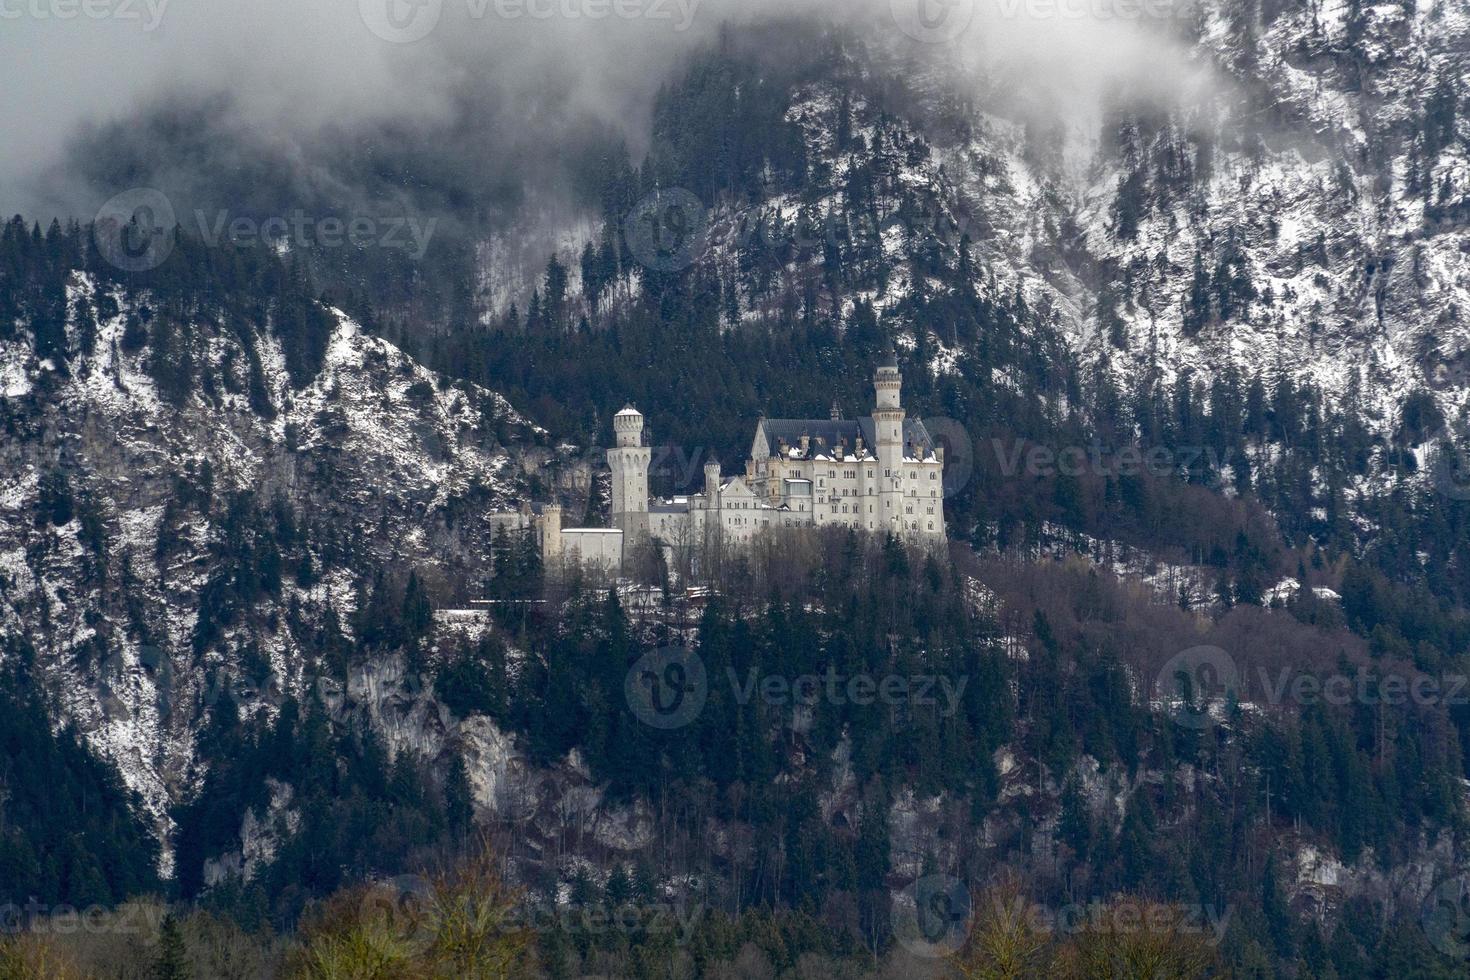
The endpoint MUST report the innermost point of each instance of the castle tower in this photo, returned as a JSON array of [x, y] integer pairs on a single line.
[[888, 420], [629, 463], [712, 483], [549, 526]]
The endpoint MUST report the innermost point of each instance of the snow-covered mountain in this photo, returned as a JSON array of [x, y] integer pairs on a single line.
[[1306, 219], [124, 590]]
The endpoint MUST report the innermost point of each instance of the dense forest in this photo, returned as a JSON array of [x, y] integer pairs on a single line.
[[1050, 657]]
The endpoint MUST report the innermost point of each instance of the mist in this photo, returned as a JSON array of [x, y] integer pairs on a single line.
[[256, 102]]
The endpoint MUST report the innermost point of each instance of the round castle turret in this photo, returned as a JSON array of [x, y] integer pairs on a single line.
[[629, 463], [628, 424], [888, 382]]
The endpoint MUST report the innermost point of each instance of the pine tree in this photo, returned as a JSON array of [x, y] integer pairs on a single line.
[[172, 961], [459, 808], [418, 611], [1076, 822]]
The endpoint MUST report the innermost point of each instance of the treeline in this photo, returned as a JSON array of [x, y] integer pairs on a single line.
[[246, 292]]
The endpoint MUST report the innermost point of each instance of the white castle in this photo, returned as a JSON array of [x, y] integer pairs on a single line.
[[880, 473]]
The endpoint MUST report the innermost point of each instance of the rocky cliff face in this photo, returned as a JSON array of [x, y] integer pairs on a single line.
[[1306, 216], [1294, 205], [118, 509]]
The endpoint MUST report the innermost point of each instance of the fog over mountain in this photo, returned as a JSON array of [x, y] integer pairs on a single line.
[[282, 80]]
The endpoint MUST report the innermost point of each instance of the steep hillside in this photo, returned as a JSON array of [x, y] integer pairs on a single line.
[[157, 552]]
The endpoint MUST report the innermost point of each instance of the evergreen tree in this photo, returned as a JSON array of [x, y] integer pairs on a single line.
[[172, 960]]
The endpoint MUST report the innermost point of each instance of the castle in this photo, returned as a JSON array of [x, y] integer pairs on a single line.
[[879, 473]]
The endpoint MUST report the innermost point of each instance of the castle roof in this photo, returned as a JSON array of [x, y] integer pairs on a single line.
[[629, 412], [825, 435]]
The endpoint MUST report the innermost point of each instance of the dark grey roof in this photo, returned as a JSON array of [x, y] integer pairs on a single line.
[[826, 434], [823, 432]]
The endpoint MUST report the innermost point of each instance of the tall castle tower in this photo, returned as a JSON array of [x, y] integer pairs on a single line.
[[629, 463], [888, 418]]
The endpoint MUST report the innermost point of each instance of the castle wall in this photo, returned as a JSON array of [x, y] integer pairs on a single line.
[[598, 549]]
